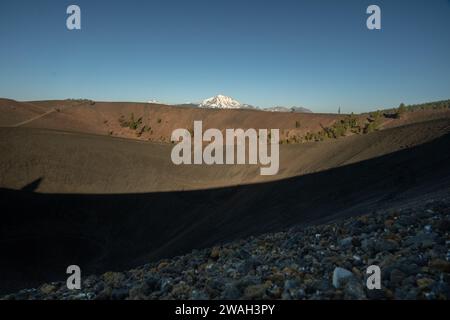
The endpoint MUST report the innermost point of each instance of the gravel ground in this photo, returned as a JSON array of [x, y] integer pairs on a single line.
[[329, 261]]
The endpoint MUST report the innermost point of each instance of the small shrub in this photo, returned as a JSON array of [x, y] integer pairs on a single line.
[[370, 127], [400, 111]]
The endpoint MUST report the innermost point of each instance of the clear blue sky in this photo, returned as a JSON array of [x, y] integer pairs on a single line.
[[316, 54]]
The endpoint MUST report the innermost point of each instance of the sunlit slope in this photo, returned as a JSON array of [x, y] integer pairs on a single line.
[[67, 162], [156, 122]]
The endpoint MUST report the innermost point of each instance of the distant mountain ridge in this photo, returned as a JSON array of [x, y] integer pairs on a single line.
[[286, 109], [224, 102]]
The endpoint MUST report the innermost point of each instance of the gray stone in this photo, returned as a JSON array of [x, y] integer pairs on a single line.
[[346, 243], [340, 276]]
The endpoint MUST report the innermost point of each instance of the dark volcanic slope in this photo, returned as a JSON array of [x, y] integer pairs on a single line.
[[43, 233], [325, 261]]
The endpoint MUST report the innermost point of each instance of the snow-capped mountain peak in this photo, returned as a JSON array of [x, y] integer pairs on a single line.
[[221, 102]]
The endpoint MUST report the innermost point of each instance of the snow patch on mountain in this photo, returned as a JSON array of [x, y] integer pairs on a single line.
[[221, 102]]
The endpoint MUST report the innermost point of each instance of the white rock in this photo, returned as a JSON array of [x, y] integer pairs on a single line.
[[340, 276]]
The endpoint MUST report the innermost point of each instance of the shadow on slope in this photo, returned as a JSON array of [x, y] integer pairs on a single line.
[[41, 234]]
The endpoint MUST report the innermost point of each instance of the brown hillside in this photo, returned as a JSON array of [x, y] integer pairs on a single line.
[[85, 163], [158, 121]]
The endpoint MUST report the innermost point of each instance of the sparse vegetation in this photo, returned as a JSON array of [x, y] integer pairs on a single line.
[[132, 123], [437, 105], [374, 122], [143, 129], [370, 127], [344, 127], [135, 124], [351, 125], [315, 136], [340, 128], [82, 101], [396, 113], [400, 111]]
